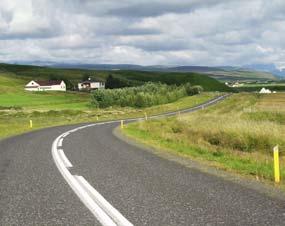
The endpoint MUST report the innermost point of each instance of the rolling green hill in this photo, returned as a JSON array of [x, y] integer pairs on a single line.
[[242, 75], [226, 74], [12, 95], [72, 76], [208, 83]]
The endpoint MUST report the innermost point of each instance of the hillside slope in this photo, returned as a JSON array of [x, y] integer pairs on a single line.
[[222, 73], [72, 76], [13, 95], [208, 83]]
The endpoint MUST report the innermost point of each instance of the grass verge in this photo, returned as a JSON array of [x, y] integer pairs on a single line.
[[235, 135], [15, 120]]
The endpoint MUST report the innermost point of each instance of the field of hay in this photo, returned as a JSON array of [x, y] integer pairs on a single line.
[[237, 134]]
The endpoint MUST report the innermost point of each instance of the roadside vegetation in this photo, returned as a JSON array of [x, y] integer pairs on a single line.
[[14, 120], [147, 95], [237, 134]]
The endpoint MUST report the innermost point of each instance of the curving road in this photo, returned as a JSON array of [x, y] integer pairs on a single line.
[[49, 177]]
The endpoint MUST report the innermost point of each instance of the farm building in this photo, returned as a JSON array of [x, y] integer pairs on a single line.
[[264, 90], [91, 85], [46, 85]]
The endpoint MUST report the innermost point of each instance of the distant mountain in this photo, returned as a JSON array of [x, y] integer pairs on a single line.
[[270, 68], [201, 69], [222, 73]]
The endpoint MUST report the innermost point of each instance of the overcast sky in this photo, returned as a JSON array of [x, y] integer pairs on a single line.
[[147, 32]]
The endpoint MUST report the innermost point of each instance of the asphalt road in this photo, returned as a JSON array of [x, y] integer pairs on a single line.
[[144, 188]]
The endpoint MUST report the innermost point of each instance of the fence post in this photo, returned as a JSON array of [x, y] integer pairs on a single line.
[[31, 123], [122, 124], [145, 116], [276, 164]]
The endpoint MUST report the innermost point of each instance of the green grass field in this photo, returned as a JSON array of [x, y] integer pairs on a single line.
[[260, 85], [255, 87], [12, 95], [47, 109], [237, 134]]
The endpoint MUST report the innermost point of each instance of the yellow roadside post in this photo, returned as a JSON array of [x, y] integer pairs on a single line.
[[122, 124], [31, 123], [145, 116], [276, 164], [97, 118]]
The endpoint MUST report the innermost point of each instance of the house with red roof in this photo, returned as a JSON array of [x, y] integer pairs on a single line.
[[52, 85]]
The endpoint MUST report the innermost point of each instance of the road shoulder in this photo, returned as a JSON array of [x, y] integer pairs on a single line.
[[262, 187]]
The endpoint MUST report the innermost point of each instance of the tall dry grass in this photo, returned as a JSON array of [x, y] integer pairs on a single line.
[[236, 134]]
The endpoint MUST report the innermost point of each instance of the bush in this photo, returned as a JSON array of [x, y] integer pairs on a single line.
[[146, 95], [113, 82], [193, 90]]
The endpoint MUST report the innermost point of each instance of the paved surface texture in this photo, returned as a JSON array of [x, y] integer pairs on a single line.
[[145, 188]]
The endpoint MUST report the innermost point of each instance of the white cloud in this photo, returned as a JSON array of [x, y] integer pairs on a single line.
[[209, 32]]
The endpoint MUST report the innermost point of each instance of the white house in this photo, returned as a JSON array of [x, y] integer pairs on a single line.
[[264, 90], [46, 86], [236, 84], [91, 85]]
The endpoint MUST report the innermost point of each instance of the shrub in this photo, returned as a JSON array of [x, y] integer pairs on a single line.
[[146, 95], [193, 90]]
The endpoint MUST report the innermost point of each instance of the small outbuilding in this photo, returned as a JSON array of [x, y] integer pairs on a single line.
[[91, 84], [264, 90], [52, 85]]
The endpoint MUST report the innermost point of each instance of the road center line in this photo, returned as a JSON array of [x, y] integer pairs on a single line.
[[106, 214], [60, 142], [103, 203], [65, 160]]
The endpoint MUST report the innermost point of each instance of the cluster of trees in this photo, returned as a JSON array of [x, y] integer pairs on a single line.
[[146, 95], [69, 84], [114, 82]]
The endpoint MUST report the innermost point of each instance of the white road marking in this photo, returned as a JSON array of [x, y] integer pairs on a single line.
[[104, 204], [106, 214], [60, 142], [65, 134], [65, 160]]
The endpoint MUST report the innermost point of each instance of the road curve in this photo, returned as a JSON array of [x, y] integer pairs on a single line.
[[143, 188]]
